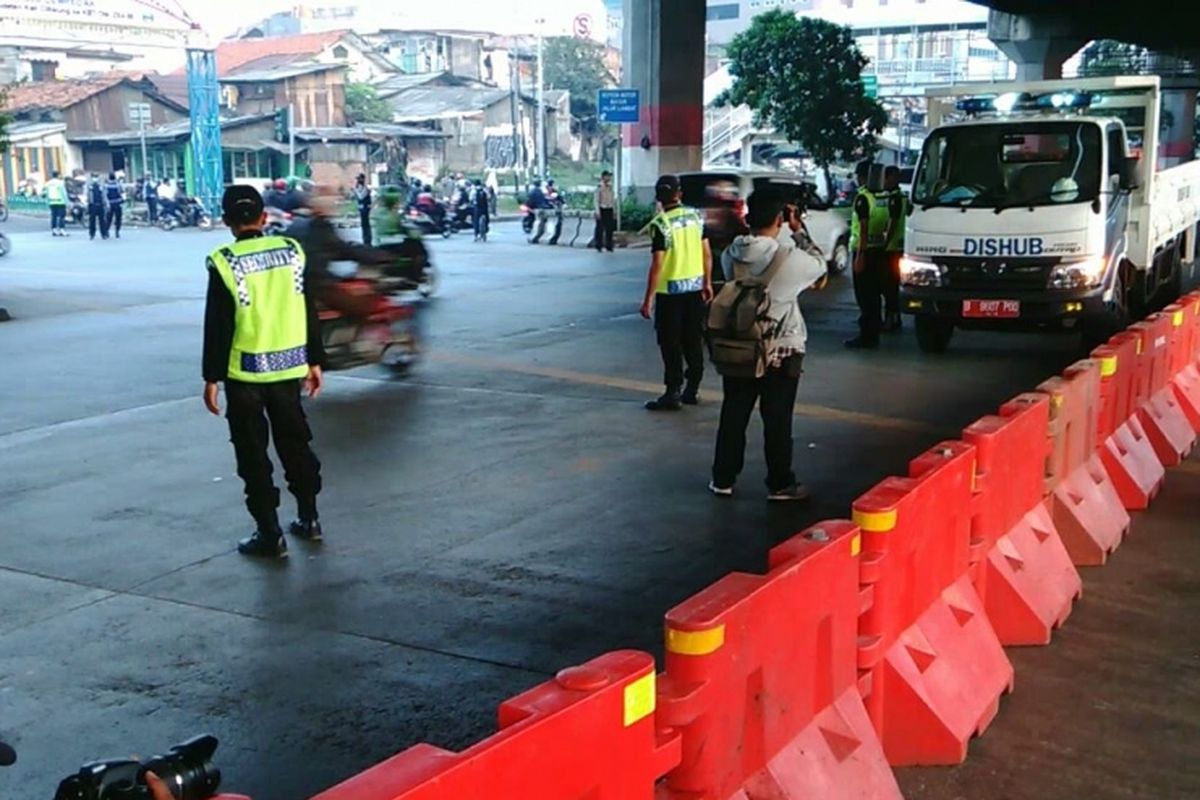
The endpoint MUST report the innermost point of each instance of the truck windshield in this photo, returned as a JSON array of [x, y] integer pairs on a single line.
[[1011, 165]]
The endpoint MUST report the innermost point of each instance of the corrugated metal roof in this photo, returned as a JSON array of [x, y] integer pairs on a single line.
[[252, 75], [233, 55], [23, 131], [373, 131], [442, 102]]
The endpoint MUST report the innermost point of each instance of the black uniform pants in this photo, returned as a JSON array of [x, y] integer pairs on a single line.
[[605, 226], [775, 393], [679, 323], [97, 218], [364, 217], [868, 291], [152, 205], [249, 409], [114, 218], [891, 286]]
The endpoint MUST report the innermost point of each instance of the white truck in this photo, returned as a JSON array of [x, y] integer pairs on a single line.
[[1041, 205]]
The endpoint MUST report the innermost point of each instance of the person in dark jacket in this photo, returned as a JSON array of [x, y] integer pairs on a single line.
[[114, 195], [97, 218], [151, 197], [363, 199]]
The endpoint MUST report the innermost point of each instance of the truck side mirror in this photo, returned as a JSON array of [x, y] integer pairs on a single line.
[[1129, 173]]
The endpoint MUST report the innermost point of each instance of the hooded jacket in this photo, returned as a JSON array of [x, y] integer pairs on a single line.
[[751, 256]]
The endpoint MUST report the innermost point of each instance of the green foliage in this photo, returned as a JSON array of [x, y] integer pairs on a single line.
[[635, 215], [803, 77], [364, 105], [5, 121], [1109, 57], [577, 66]]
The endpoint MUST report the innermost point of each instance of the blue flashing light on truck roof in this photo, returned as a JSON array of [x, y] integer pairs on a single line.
[[1024, 101]]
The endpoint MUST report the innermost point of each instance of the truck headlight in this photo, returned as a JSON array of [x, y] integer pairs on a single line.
[[915, 272], [1088, 273]]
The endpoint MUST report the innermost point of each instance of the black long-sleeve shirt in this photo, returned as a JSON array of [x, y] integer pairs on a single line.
[[219, 315]]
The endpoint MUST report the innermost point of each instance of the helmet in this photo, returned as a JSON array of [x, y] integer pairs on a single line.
[[392, 196], [280, 184]]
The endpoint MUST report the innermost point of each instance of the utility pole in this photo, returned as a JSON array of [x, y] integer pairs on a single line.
[[514, 81], [291, 140], [541, 103]]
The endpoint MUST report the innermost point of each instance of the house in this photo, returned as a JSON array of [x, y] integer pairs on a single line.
[[35, 149], [316, 91], [336, 156], [479, 121], [342, 48], [91, 110], [402, 82], [459, 53], [47, 62]]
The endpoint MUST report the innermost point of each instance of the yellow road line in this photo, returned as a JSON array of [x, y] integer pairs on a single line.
[[646, 387]]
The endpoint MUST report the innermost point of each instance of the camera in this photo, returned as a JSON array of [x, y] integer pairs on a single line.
[[187, 769]]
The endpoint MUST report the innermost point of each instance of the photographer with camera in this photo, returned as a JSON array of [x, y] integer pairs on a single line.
[[761, 361]]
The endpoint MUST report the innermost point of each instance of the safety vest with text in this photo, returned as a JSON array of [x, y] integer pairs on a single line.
[[683, 261], [877, 222], [895, 242], [265, 275]]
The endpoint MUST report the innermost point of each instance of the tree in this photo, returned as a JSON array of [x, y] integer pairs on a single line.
[[364, 105], [803, 77], [1110, 57], [577, 66]]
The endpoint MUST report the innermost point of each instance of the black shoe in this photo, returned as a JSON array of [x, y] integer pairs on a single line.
[[264, 545], [308, 530], [691, 397], [894, 324], [861, 343], [795, 493], [668, 402]]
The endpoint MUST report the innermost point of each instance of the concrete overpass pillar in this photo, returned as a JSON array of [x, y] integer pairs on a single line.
[[1039, 44], [664, 59]]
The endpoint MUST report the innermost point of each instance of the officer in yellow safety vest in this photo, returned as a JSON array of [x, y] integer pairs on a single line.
[[868, 241], [898, 211], [262, 339], [678, 290]]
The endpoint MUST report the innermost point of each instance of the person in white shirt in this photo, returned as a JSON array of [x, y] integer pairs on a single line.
[[606, 215], [775, 392]]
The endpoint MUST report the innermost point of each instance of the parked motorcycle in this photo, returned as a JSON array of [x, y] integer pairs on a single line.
[[188, 213], [390, 335]]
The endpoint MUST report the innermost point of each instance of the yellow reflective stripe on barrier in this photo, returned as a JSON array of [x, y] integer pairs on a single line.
[[1108, 366], [856, 545], [695, 643], [639, 700], [1177, 318], [1057, 400], [876, 521]]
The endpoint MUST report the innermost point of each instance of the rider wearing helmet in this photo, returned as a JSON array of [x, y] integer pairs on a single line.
[[396, 235]]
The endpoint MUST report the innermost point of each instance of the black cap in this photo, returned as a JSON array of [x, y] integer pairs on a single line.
[[666, 187], [242, 205]]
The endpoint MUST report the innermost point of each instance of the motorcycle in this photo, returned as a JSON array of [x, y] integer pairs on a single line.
[[428, 225], [187, 213], [278, 221], [389, 336], [76, 209]]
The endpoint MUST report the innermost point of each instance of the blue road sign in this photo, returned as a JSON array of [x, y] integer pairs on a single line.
[[618, 105]]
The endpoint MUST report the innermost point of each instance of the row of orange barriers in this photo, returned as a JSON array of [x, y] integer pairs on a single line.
[[869, 643]]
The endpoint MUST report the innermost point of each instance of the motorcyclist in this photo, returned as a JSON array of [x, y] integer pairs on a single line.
[[398, 236], [276, 197], [428, 204], [313, 229]]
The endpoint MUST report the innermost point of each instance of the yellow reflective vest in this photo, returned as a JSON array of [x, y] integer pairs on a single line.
[[265, 275], [683, 262], [877, 221]]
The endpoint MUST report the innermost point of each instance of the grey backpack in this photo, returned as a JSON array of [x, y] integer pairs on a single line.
[[739, 331]]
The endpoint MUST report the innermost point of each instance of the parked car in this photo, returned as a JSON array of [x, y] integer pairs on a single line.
[[720, 195]]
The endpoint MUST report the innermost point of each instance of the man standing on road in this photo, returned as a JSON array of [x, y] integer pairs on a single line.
[[149, 191], [677, 289], [898, 210], [787, 268], [97, 216], [362, 198], [868, 232], [262, 339], [56, 198], [606, 215], [114, 195]]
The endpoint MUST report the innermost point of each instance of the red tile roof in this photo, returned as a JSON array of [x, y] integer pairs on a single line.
[[57, 94], [237, 53]]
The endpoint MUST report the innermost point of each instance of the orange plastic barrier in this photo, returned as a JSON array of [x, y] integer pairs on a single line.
[[1024, 574], [1125, 449], [1085, 505], [1186, 382], [587, 735], [761, 681], [1165, 422], [932, 669]]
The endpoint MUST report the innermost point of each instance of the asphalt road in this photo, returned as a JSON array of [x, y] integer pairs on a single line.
[[505, 512]]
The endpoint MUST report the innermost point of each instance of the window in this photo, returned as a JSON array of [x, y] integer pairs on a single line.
[[1116, 152], [724, 11], [340, 52]]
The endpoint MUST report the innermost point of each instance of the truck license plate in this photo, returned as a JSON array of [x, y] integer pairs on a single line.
[[991, 309]]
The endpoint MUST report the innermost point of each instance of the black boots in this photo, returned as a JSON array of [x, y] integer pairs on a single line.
[[308, 530], [270, 544]]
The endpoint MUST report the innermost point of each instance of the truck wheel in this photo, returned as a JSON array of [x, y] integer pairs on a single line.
[[933, 334]]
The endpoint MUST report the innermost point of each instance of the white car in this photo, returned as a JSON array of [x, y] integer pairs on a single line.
[[721, 196]]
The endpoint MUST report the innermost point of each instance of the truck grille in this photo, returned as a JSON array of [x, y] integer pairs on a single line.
[[1014, 274]]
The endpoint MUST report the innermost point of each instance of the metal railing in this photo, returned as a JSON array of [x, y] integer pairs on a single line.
[[725, 128]]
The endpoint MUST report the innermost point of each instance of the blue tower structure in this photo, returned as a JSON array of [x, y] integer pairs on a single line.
[[204, 97]]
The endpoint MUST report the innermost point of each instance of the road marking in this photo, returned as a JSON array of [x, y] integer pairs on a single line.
[[645, 387]]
